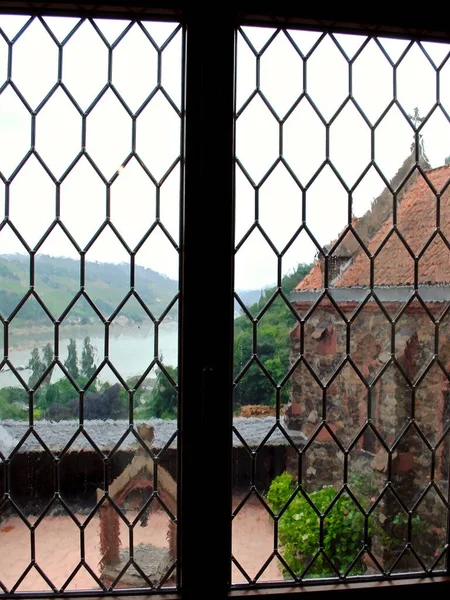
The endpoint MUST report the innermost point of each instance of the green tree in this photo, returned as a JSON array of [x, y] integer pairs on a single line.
[[163, 398], [71, 362], [37, 367], [47, 357], [60, 394], [88, 365], [13, 403], [273, 344], [47, 354]]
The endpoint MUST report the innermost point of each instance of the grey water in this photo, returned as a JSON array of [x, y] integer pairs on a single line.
[[131, 349]]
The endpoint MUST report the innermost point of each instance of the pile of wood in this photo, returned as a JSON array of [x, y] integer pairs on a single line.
[[257, 410]]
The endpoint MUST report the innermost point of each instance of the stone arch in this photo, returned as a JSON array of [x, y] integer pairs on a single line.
[[138, 475]]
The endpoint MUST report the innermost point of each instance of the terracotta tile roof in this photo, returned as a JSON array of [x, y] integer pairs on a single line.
[[416, 220], [312, 281]]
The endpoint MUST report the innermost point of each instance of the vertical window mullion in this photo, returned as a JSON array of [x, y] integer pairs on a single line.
[[207, 312]]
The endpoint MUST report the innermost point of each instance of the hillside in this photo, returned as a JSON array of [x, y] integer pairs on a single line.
[[248, 297], [57, 280], [272, 345]]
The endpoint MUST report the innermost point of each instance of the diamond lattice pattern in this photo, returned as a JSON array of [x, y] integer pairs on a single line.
[[341, 362], [90, 171]]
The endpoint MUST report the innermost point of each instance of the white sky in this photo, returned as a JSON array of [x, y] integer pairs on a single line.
[[304, 136], [134, 72]]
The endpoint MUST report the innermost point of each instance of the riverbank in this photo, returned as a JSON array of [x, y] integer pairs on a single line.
[[131, 348]]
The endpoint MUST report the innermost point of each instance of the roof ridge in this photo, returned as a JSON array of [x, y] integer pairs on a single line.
[[367, 228]]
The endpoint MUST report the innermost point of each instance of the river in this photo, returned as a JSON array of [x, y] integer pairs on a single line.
[[131, 348]]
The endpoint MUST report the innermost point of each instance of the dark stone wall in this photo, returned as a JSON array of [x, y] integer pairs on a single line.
[[33, 476], [373, 405]]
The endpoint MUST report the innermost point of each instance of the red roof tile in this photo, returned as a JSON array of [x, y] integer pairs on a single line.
[[416, 221], [312, 281]]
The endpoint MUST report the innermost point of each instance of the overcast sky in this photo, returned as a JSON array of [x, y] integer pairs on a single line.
[[133, 195], [327, 83]]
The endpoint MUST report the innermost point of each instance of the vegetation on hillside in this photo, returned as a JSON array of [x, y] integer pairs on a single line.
[[274, 320], [57, 281], [261, 330]]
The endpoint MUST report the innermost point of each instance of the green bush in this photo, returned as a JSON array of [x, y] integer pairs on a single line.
[[13, 403], [299, 529], [163, 399]]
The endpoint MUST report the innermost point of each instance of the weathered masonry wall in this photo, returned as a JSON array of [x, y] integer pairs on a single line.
[[372, 399]]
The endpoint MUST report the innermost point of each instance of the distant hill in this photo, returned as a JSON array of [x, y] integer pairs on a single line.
[[57, 281], [248, 297]]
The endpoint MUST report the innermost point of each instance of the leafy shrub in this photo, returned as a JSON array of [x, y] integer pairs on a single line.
[[13, 403], [163, 399], [299, 529]]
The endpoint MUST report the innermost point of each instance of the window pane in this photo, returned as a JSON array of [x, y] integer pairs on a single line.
[[90, 169], [342, 288]]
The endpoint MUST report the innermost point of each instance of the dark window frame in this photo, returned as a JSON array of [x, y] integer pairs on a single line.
[[205, 417]]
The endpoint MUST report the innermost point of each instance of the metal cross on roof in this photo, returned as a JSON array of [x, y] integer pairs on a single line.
[[416, 121], [415, 118]]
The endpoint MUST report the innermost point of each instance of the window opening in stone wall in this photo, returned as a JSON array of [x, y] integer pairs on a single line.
[[90, 171], [342, 299]]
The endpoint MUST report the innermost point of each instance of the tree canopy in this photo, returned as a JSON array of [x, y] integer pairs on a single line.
[[265, 333]]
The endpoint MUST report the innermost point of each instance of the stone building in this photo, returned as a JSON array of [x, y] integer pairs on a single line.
[[370, 391]]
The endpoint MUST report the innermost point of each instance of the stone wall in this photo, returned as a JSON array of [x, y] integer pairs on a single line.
[[372, 399], [32, 486]]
